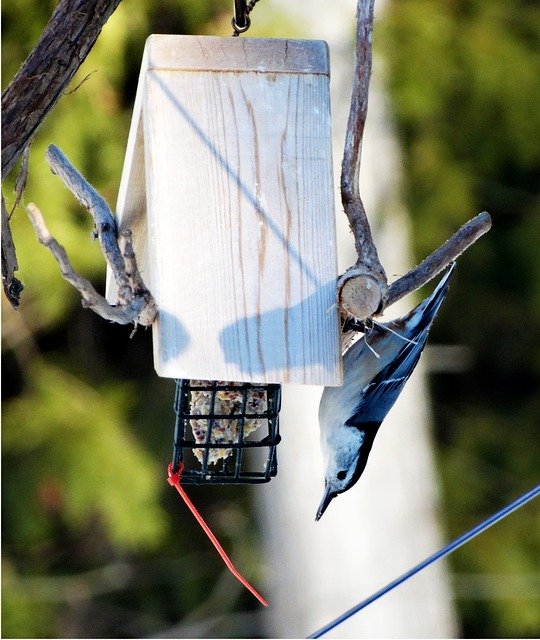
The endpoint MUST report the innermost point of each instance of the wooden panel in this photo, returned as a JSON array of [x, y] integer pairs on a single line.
[[209, 53], [241, 236]]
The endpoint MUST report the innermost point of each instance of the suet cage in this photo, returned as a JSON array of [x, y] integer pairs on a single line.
[[226, 432]]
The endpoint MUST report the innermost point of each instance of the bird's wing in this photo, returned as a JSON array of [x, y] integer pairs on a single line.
[[348, 339], [378, 397], [380, 394]]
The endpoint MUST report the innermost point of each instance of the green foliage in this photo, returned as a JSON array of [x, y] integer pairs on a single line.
[[22, 616], [464, 87], [463, 81], [74, 443]]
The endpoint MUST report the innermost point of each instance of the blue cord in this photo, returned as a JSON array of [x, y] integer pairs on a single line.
[[452, 546]]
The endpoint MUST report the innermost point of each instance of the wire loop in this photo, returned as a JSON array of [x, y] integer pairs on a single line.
[[238, 29], [241, 21]]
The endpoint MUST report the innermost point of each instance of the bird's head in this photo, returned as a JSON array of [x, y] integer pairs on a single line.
[[345, 451]]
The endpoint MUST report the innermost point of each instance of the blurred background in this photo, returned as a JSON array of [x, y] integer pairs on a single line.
[[95, 543]]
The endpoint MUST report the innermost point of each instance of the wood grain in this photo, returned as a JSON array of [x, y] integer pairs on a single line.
[[239, 199]]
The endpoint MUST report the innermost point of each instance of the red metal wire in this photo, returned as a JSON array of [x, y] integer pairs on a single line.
[[174, 480]]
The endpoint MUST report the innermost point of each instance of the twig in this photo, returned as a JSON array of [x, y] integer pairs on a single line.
[[467, 235], [21, 180], [40, 82], [361, 289], [135, 303], [38, 85], [104, 222], [80, 84], [91, 298], [149, 310], [12, 285]]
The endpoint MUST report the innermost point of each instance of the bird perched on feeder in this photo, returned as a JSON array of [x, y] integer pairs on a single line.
[[375, 370]]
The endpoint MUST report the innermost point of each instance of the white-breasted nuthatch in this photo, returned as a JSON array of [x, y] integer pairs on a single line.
[[375, 370]]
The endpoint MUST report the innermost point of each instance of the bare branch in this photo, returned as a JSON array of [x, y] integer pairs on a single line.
[[467, 235], [12, 286], [21, 180], [38, 85], [40, 82], [135, 302], [361, 289], [149, 310], [91, 298], [104, 222]]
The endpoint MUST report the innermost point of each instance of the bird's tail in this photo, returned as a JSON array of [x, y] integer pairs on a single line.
[[422, 316]]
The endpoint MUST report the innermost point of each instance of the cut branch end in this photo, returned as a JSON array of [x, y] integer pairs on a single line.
[[360, 295]]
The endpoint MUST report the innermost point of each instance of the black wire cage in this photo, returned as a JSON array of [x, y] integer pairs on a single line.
[[226, 432]]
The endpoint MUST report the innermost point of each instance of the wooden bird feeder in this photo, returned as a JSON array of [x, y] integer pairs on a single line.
[[227, 187]]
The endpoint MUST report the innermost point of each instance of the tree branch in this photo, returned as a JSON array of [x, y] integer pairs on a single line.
[[38, 85], [135, 303], [104, 222], [467, 235], [91, 298], [362, 291], [12, 285], [40, 82]]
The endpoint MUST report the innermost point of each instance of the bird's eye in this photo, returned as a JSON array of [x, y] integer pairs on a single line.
[[341, 475]]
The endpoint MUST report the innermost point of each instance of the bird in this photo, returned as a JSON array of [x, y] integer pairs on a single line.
[[375, 370]]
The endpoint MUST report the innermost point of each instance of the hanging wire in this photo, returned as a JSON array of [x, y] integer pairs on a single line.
[[452, 546], [174, 480], [241, 20]]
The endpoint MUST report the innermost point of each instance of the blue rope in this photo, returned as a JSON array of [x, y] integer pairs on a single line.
[[452, 546]]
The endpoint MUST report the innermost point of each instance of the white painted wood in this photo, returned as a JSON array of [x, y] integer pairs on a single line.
[[240, 232]]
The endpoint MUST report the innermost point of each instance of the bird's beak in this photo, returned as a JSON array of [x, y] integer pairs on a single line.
[[326, 500]]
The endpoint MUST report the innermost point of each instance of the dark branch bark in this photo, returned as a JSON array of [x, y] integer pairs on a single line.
[[37, 87], [45, 74], [467, 235], [12, 286], [362, 288], [362, 291]]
